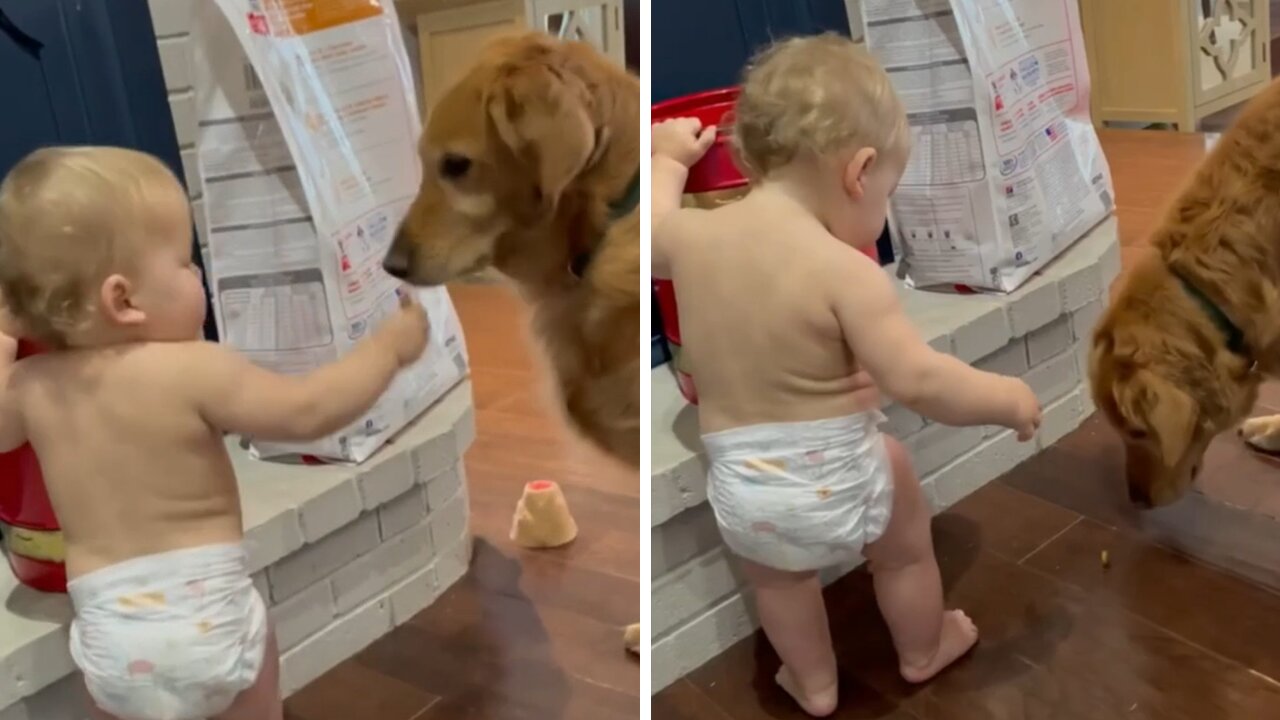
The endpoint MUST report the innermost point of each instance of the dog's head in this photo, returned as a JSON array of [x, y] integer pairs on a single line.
[[499, 150], [1160, 382]]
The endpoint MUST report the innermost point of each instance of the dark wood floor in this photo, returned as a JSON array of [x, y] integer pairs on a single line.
[[1157, 635], [526, 635]]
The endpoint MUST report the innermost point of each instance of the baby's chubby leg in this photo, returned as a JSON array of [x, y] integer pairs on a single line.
[[907, 584], [795, 620], [262, 700]]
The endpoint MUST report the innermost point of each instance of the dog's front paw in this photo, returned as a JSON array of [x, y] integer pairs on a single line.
[[1262, 433]]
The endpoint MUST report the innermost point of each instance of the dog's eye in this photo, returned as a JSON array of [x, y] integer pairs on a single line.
[[454, 166], [1138, 434]]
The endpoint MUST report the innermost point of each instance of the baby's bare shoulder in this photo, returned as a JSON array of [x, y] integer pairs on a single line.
[[186, 364], [162, 359]]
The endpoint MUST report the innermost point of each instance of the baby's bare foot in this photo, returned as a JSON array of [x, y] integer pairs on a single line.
[[820, 704], [958, 636]]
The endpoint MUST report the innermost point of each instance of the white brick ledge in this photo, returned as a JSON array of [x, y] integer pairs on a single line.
[[1039, 332], [341, 555]]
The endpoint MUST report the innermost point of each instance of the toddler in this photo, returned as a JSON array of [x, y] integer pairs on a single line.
[[127, 415], [790, 332]]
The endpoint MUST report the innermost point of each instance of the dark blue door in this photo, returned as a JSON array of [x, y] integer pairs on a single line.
[[703, 44], [83, 72]]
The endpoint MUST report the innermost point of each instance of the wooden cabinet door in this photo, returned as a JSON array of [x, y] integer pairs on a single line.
[[1230, 42], [598, 22], [449, 40]]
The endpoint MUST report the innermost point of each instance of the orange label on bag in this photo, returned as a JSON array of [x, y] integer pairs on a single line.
[[303, 17], [44, 545]]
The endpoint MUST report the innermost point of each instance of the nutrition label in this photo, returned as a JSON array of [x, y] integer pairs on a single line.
[[946, 149], [276, 311]]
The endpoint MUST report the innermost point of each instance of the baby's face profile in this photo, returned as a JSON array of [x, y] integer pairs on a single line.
[[165, 282]]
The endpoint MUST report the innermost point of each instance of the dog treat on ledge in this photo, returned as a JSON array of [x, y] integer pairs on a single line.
[[631, 638], [542, 517]]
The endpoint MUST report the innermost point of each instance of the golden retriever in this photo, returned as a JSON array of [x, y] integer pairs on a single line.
[[531, 165], [1179, 355]]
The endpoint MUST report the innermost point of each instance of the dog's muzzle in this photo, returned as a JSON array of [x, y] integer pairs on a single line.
[[398, 261]]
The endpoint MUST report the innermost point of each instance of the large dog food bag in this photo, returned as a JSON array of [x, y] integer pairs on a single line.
[[1006, 170], [308, 124]]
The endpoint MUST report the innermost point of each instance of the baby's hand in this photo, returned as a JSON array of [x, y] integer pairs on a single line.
[[405, 332], [684, 140], [1026, 410]]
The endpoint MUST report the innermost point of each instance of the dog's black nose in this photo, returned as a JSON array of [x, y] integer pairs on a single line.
[[395, 270], [396, 263]]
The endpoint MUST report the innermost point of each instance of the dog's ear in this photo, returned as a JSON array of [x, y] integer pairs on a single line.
[[541, 114], [1168, 410]]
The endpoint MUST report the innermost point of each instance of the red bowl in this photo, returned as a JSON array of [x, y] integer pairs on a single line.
[[43, 575], [24, 504], [716, 170]]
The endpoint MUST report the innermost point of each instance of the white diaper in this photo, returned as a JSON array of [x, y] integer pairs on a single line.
[[174, 636], [801, 495]]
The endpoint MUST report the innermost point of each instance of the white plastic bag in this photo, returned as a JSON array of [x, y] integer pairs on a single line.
[[308, 126], [1006, 170]]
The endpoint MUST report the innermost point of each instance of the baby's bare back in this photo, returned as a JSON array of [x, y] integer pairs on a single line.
[[760, 335], [131, 467]]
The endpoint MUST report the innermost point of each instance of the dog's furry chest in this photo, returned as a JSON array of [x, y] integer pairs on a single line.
[[558, 325]]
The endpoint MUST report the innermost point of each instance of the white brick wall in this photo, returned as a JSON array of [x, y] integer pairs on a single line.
[[402, 513], [314, 562], [1040, 333], [172, 21], [697, 584], [683, 538], [386, 566], [358, 572], [381, 482], [1048, 341]]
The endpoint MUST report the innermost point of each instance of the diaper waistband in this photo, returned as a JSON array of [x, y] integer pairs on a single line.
[[797, 436], [162, 570]]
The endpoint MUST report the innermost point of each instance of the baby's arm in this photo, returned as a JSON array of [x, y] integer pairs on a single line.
[[676, 145], [888, 346], [237, 396], [668, 178]]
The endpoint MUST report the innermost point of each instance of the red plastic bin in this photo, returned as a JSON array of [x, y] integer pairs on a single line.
[[715, 172], [32, 534]]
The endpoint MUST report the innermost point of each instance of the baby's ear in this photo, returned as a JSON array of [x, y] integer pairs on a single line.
[[856, 170], [115, 302]]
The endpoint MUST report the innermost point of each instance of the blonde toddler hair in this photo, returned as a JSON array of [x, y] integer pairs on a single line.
[[817, 95], [69, 218]]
